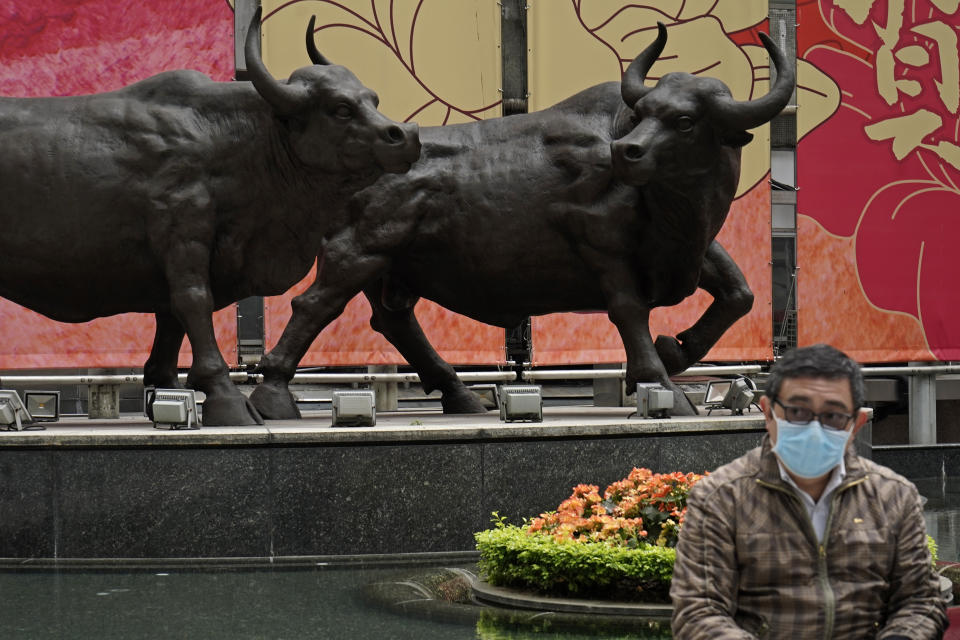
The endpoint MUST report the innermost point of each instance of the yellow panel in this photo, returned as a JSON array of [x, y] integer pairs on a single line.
[[432, 61], [573, 47]]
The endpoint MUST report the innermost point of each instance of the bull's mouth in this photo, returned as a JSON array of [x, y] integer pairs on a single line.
[[633, 173], [397, 167], [399, 159]]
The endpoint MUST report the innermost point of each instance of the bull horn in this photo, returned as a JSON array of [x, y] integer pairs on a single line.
[[631, 87], [747, 115], [315, 56], [285, 100]]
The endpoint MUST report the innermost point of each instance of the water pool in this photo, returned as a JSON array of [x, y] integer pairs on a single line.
[[329, 602]]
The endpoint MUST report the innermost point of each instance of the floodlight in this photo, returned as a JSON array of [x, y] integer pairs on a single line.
[[653, 400], [13, 415], [44, 406], [354, 408], [716, 391], [521, 403], [488, 393], [736, 395], [172, 408]]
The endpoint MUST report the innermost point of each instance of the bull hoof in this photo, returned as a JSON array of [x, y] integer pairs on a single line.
[[672, 355], [682, 405], [275, 402], [229, 411], [463, 401]]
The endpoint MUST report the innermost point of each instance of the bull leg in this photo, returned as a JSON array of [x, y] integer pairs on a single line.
[[337, 281], [732, 299], [160, 369], [192, 304], [403, 331], [632, 320]]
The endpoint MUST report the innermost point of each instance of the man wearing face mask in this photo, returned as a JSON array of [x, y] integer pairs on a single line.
[[801, 538]]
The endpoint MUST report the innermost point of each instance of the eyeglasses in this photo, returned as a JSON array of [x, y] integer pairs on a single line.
[[835, 420]]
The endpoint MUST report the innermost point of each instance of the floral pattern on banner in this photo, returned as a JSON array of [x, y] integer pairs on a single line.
[[892, 185], [73, 47]]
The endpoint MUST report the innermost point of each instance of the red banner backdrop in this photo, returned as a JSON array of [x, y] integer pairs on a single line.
[[72, 47], [879, 177]]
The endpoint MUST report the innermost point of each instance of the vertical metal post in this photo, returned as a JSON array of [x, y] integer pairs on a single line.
[[513, 67], [513, 55], [923, 407], [386, 393], [104, 401], [242, 13]]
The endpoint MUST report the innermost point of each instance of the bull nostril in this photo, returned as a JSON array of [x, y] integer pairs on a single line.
[[633, 152], [394, 134]]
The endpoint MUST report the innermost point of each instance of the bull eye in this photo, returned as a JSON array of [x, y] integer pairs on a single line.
[[343, 111], [684, 124]]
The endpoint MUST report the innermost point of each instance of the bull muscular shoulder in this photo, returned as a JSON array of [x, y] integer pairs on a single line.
[[459, 227], [94, 188]]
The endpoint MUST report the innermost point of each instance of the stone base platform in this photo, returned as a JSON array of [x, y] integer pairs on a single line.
[[417, 482]]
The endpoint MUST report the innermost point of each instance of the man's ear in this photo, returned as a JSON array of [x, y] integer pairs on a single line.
[[861, 419], [766, 406], [769, 420]]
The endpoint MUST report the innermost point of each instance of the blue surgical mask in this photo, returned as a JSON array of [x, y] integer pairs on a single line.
[[809, 450]]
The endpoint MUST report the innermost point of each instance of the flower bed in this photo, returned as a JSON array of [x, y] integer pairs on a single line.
[[618, 545]]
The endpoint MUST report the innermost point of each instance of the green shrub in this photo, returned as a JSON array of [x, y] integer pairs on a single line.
[[512, 557]]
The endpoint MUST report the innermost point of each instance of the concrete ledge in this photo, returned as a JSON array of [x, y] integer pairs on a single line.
[[397, 426]]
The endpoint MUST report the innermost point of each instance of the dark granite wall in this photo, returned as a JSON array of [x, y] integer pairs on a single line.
[[266, 501]]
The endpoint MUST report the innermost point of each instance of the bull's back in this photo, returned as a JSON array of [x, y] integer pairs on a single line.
[[493, 213], [80, 178]]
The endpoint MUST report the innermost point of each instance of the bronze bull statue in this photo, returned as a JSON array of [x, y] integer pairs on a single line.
[[179, 195], [610, 200]]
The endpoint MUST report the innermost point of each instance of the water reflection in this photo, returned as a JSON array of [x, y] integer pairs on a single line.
[[942, 514]]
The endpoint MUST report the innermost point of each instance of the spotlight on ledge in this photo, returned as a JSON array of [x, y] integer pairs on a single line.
[[521, 403], [171, 408], [44, 406], [13, 415], [354, 408], [653, 400], [736, 395]]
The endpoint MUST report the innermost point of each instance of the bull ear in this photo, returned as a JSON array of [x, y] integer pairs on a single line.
[[284, 98], [315, 56], [631, 87], [747, 115]]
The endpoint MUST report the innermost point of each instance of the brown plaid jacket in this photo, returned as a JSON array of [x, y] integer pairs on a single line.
[[749, 564]]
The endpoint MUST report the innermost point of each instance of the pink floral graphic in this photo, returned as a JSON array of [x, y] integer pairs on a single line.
[[885, 168]]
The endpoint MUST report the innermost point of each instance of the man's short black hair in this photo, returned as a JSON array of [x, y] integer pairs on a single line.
[[817, 361]]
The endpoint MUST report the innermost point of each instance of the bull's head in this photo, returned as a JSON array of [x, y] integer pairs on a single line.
[[333, 118], [677, 129]]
